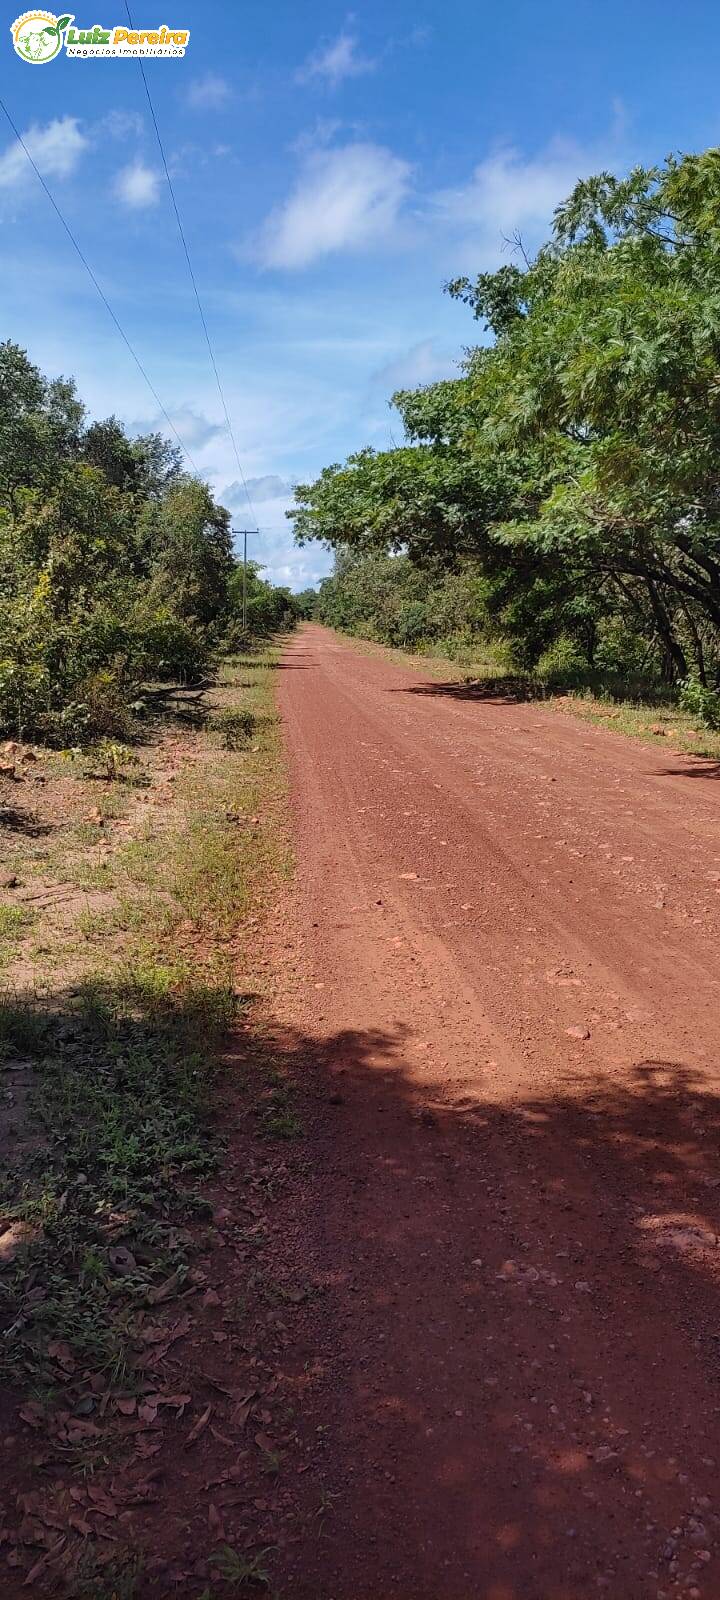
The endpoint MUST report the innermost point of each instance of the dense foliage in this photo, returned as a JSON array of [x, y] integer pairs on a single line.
[[396, 601], [569, 480], [269, 606], [115, 565]]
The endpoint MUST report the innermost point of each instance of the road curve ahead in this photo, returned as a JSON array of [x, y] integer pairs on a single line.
[[511, 921]]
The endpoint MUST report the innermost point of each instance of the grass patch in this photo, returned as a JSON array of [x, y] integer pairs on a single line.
[[118, 1580], [120, 1098], [144, 914], [239, 1570], [14, 922], [652, 721], [278, 1118], [121, 1067], [235, 725]]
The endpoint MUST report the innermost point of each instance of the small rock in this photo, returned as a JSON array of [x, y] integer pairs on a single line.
[[14, 1237], [577, 1032], [122, 1259]]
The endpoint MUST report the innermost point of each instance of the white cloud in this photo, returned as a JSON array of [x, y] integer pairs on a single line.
[[138, 186], [424, 362], [269, 487], [509, 194], [120, 124], [208, 93], [345, 199], [55, 148], [336, 61], [194, 428]]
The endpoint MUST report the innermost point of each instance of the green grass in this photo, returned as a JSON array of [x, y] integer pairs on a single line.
[[121, 1100], [235, 725], [224, 843], [277, 1116], [99, 1581], [240, 1570], [14, 922], [659, 723], [146, 914]]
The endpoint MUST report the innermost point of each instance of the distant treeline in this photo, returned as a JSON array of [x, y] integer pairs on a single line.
[[116, 566], [561, 498]]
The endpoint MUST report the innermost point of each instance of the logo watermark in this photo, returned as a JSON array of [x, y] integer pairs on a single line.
[[39, 36]]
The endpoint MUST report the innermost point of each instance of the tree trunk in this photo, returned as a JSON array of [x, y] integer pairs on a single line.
[[673, 650]]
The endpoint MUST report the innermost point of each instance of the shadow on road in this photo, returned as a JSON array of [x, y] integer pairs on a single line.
[[510, 1356], [500, 690], [520, 1332], [701, 768]]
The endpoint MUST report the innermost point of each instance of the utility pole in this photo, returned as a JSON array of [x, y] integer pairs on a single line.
[[246, 533]]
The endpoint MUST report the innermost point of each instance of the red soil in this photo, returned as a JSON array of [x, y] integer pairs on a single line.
[[512, 938]]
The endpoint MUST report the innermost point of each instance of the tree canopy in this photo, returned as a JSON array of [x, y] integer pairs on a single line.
[[576, 459]]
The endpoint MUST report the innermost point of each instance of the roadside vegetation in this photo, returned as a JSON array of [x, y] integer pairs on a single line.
[[553, 514], [116, 566], [133, 879], [142, 841]]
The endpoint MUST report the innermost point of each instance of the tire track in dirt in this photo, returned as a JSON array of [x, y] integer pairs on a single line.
[[516, 1225]]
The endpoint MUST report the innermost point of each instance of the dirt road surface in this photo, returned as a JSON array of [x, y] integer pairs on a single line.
[[512, 944]]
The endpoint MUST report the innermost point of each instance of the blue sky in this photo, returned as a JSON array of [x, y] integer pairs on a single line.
[[333, 169]]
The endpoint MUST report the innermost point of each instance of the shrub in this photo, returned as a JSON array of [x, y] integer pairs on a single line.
[[701, 702], [168, 648]]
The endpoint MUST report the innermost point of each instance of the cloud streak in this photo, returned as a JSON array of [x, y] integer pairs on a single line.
[[333, 63], [56, 149], [424, 362], [269, 487], [209, 93], [357, 196], [510, 195], [347, 198]]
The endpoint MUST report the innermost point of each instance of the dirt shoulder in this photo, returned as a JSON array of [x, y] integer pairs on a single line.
[[149, 1268]]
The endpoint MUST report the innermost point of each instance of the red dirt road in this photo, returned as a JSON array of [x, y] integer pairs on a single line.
[[512, 936]]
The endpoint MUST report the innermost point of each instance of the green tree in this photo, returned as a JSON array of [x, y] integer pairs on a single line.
[[189, 545], [576, 459], [40, 425]]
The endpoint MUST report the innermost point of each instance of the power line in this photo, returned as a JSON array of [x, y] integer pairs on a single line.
[[193, 279], [94, 281]]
